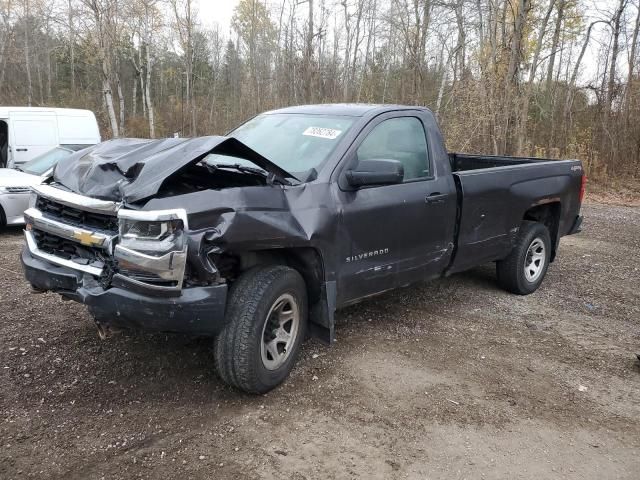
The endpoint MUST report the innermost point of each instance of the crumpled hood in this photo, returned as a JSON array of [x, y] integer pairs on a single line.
[[14, 178], [133, 169]]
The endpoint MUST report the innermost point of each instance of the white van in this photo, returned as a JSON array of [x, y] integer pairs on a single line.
[[26, 132]]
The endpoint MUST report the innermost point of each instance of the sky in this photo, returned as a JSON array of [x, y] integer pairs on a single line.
[[217, 11]]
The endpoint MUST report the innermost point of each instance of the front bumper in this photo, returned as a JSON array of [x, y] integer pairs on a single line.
[[197, 310], [13, 205]]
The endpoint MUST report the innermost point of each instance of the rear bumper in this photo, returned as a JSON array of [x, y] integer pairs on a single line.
[[198, 310], [577, 225]]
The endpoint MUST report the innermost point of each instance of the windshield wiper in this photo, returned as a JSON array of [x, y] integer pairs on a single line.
[[241, 168], [19, 169], [244, 169]]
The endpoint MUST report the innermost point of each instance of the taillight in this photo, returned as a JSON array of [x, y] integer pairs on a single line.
[[583, 186]]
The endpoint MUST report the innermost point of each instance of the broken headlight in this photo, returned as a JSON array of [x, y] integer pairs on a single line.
[[151, 237], [152, 248]]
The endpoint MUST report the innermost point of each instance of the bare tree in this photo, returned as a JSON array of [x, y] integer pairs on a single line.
[[615, 50], [102, 11], [27, 58], [526, 97], [184, 18], [504, 76]]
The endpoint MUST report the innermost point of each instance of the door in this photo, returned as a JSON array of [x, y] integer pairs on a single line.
[[393, 235], [5, 154], [31, 134]]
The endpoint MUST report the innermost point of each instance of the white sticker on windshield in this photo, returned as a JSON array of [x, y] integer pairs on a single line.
[[321, 132]]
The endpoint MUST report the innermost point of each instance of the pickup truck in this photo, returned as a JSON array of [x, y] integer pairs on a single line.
[[257, 237]]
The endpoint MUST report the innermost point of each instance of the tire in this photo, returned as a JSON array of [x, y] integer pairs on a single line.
[[251, 352], [3, 219], [524, 269]]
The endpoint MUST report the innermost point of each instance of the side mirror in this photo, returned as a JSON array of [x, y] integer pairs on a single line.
[[375, 172]]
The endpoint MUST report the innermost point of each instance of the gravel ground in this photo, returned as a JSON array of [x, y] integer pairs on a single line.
[[450, 379]]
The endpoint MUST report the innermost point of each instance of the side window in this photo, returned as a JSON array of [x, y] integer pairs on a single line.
[[401, 139]]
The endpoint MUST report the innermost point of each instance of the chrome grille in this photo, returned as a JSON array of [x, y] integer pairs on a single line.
[[68, 249], [75, 216]]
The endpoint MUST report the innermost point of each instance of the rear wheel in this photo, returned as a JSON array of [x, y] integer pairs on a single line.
[[524, 269], [266, 324]]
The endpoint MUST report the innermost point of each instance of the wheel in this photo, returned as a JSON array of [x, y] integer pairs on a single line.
[[524, 269], [266, 324], [3, 219]]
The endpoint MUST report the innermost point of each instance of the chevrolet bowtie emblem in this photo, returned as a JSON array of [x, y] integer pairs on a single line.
[[88, 238]]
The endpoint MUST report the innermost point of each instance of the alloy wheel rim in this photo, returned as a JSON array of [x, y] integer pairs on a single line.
[[534, 260], [280, 331]]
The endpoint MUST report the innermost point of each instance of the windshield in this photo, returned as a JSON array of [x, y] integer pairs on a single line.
[[296, 143], [42, 163]]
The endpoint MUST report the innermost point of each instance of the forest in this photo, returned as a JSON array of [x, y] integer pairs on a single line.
[[555, 78]]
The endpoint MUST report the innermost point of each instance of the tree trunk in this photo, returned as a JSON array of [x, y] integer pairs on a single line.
[[121, 101], [108, 95], [48, 65], [460, 45], [134, 96], [356, 45], [513, 72], [39, 77], [611, 84], [308, 57], [524, 109], [27, 62], [443, 83], [72, 50], [147, 93], [632, 64], [108, 100], [347, 53], [554, 44]]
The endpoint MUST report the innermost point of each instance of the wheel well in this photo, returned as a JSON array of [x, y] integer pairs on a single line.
[[549, 215], [306, 260]]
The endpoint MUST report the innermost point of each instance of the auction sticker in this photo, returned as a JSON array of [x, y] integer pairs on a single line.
[[328, 133]]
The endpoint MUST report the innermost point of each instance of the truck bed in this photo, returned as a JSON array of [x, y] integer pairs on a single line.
[[495, 190], [462, 162]]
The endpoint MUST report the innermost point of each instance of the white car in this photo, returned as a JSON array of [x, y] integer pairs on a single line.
[[15, 184]]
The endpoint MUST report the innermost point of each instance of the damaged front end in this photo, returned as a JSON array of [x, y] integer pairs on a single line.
[[115, 245], [90, 238], [150, 237], [127, 266]]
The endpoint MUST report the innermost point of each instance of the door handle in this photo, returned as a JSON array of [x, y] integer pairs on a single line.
[[21, 149], [435, 198]]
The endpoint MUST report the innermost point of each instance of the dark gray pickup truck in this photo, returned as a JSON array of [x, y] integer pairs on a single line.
[[256, 238]]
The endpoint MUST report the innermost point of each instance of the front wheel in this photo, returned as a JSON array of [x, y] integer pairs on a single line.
[[266, 324], [524, 269]]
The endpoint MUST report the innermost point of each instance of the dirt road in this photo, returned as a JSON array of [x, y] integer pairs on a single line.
[[451, 379]]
